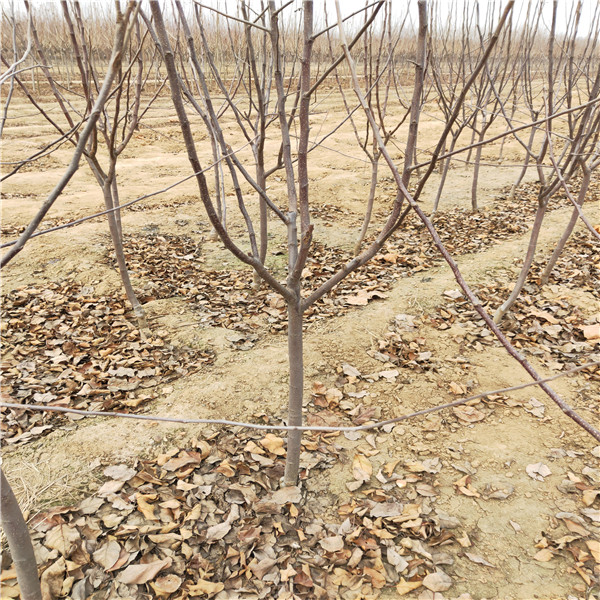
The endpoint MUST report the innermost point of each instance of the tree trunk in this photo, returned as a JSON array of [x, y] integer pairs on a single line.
[[585, 183], [264, 223], [369, 209], [446, 164], [296, 391], [116, 204], [117, 241], [19, 543], [473, 132], [517, 183], [474, 205], [535, 232]]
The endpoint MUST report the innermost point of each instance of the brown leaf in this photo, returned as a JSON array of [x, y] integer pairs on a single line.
[[594, 548], [166, 585], [404, 587], [143, 573], [287, 573], [437, 582], [332, 544], [52, 579], [304, 577], [591, 332], [273, 444], [575, 527], [538, 471], [108, 554], [478, 560], [184, 459], [261, 568], [457, 389], [362, 469], [226, 469], [589, 496], [205, 588], [62, 538], [119, 472], [145, 508], [544, 555], [285, 495], [218, 532], [468, 414], [377, 577], [424, 489]]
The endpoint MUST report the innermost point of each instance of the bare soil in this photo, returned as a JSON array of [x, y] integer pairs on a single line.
[[66, 464]]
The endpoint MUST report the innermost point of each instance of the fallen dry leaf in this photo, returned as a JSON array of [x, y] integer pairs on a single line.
[[143, 573], [404, 587], [538, 471], [164, 586], [362, 469], [544, 555], [594, 548], [468, 414], [591, 332], [52, 579], [332, 544], [273, 444], [437, 582], [291, 494], [262, 567], [119, 472], [218, 532], [205, 588], [478, 560], [108, 554], [62, 538]]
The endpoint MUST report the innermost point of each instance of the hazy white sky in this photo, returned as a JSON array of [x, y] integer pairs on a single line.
[[399, 7]]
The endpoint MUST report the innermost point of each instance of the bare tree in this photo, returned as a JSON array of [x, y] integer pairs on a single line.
[[12, 65], [581, 131], [122, 33], [117, 121], [296, 216]]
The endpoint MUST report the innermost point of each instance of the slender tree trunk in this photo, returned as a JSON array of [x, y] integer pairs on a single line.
[[116, 204], [117, 241], [535, 232], [442, 164], [19, 543], [264, 223], [369, 209], [446, 163], [296, 390], [519, 179], [473, 133], [585, 183], [474, 205]]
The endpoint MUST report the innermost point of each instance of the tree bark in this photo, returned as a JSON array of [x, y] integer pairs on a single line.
[[19, 543], [585, 183], [117, 240], [474, 205], [296, 391], [369, 209], [535, 232]]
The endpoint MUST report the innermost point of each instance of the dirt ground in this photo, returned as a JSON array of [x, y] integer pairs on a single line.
[[65, 465]]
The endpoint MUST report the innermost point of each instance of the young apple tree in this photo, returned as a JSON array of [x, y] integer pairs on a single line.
[[296, 215]]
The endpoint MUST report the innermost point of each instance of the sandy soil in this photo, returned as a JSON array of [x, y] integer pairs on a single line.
[[62, 466]]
